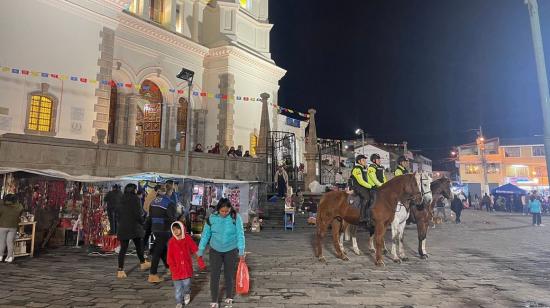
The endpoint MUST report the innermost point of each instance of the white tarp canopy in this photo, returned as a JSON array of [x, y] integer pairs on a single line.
[[147, 176], [58, 174]]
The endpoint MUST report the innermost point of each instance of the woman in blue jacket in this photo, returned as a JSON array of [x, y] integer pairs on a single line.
[[225, 233], [535, 208]]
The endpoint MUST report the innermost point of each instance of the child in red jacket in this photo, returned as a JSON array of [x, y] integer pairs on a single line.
[[180, 248]]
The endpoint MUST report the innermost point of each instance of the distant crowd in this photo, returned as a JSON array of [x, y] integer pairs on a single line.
[[232, 152]]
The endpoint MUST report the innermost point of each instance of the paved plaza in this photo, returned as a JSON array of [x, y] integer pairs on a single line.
[[491, 260]]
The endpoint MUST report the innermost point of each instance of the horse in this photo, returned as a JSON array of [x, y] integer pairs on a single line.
[[334, 209], [423, 214], [397, 226]]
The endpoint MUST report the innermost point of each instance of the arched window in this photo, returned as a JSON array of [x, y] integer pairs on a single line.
[[41, 113], [182, 120]]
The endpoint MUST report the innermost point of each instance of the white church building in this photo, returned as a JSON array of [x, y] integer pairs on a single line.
[[70, 68]]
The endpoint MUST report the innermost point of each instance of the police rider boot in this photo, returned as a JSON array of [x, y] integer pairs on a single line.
[[362, 211]]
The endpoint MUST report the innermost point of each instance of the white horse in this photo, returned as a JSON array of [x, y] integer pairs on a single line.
[[402, 214], [397, 227]]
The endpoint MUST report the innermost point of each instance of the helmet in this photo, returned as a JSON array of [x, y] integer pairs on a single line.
[[359, 157], [374, 156], [401, 159]]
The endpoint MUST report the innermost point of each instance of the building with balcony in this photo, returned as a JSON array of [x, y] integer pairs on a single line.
[[519, 162], [72, 68]]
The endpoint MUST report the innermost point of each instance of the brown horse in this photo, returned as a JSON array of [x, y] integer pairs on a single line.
[[423, 213], [334, 209]]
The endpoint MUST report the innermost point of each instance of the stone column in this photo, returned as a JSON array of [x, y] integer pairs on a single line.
[[261, 147], [199, 127], [132, 119], [145, 8], [226, 111], [195, 29], [312, 151], [121, 119], [170, 14], [171, 125]]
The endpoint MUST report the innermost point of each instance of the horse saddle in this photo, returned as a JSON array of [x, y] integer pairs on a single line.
[[354, 200]]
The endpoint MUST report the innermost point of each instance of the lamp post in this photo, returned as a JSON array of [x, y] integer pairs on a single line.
[[358, 132], [533, 7], [187, 75], [481, 146]]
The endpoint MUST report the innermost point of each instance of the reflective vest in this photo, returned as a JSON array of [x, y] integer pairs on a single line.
[[376, 175], [359, 177], [400, 170]]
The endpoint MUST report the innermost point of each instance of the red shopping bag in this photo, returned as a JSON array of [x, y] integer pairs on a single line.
[[243, 282]]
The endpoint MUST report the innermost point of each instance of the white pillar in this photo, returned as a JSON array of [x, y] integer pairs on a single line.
[[145, 9], [121, 119], [195, 29], [169, 18]]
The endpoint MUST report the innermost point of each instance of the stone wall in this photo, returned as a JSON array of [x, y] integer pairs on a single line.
[[83, 157]]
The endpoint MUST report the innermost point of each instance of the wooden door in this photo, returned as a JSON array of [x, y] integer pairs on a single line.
[[152, 119]]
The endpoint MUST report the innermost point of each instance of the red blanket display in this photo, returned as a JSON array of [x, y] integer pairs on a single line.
[[92, 217]]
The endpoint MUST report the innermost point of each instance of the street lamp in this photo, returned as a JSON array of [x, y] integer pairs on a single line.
[[358, 132], [187, 75]]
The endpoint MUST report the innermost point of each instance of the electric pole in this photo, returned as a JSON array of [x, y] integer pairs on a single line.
[[481, 148], [533, 7]]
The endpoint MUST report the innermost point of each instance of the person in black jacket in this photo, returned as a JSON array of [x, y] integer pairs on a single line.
[[456, 206], [163, 212], [130, 227], [113, 200]]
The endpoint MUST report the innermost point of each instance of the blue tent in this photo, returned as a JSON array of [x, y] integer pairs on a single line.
[[508, 189]]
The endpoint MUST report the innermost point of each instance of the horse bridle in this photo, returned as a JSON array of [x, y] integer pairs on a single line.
[[422, 192]]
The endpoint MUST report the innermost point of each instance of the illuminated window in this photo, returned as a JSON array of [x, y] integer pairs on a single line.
[[472, 169], [246, 3], [157, 10], [253, 144], [40, 114]]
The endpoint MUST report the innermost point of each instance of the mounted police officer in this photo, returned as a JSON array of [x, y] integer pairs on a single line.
[[375, 172], [359, 184], [402, 164]]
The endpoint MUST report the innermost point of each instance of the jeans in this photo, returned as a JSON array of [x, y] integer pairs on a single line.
[[182, 287], [7, 238], [537, 219], [160, 247], [457, 220], [229, 261], [138, 242]]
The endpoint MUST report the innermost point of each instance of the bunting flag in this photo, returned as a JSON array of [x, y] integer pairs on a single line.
[[163, 89]]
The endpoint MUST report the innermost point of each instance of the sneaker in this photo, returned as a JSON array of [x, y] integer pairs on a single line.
[[154, 279], [228, 303], [179, 306], [214, 305], [541, 225], [1, 258], [145, 266], [187, 299], [9, 259], [121, 274]]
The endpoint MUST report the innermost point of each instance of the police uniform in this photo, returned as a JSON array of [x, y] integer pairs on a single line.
[[361, 186], [376, 175], [400, 170]]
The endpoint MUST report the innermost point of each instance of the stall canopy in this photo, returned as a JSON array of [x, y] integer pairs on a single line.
[[58, 174], [508, 189]]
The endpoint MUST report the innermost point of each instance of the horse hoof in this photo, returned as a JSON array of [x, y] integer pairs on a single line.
[[424, 257], [357, 252], [386, 252], [345, 258], [322, 259], [372, 250], [397, 260], [404, 259], [380, 263]]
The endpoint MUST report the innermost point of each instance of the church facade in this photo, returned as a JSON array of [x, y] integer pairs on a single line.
[[89, 65]]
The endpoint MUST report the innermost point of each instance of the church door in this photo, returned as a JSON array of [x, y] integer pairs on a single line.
[[149, 126]]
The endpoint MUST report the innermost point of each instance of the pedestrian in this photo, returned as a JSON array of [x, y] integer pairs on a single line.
[[239, 151], [130, 227], [224, 233], [486, 201], [10, 213], [440, 208], [247, 154], [146, 207], [113, 200], [163, 214], [198, 148], [180, 249], [456, 206], [535, 207], [281, 181]]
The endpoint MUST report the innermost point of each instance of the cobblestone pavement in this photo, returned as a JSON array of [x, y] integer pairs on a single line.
[[494, 260]]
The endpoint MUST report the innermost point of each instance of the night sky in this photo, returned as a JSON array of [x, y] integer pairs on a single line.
[[425, 71]]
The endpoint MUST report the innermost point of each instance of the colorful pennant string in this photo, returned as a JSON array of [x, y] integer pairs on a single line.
[[163, 89]]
